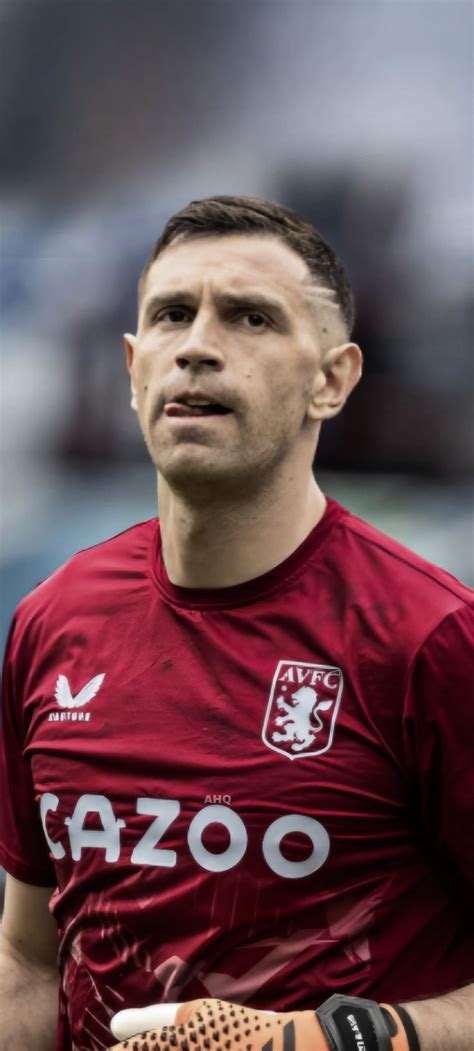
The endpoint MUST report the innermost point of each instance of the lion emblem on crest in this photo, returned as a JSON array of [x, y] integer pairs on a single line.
[[301, 720]]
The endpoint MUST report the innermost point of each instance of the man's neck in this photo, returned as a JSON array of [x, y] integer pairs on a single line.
[[219, 546]]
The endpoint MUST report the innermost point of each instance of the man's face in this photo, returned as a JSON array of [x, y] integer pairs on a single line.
[[226, 322]]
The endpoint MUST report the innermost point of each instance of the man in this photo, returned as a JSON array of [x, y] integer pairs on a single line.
[[245, 728]]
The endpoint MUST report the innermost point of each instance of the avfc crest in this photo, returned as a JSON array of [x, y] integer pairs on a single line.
[[302, 708]]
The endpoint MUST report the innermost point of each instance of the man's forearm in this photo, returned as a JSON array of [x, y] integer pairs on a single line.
[[445, 1023], [29, 998]]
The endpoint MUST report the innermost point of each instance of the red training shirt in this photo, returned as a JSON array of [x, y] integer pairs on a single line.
[[261, 792]]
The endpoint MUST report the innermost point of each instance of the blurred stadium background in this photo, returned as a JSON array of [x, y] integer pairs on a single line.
[[358, 113]]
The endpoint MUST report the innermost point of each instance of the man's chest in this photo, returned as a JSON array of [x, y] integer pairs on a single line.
[[207, 741]]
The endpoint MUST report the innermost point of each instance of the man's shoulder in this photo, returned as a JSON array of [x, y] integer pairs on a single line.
[[117, 561], [384, 566]]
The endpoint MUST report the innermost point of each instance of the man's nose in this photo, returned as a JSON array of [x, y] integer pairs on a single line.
[[202, 346]]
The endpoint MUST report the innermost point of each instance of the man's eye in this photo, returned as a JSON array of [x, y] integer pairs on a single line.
[[174, 314], [255, 320]]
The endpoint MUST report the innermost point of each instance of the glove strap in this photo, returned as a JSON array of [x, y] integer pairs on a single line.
[[350, 1023], [412, 1036]]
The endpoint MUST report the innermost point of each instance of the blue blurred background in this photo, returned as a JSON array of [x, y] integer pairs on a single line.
[[115, 114]]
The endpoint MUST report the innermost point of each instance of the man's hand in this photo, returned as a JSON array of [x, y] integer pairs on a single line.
[[341, 1024]]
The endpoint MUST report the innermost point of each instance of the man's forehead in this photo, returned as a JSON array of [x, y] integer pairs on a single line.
[[241, 263]]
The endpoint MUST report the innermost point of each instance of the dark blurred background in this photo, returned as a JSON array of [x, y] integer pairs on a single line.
[[114, 113]]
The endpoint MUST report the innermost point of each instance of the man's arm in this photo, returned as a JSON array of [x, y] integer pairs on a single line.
[[445, 1023], [28, 970]]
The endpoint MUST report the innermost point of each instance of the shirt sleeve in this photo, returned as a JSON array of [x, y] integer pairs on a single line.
[[439, 731], [23, 848]]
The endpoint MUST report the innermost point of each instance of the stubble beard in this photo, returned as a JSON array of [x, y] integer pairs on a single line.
[[220, 477]]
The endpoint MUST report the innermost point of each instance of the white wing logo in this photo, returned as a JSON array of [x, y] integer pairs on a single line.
[[64, 696]]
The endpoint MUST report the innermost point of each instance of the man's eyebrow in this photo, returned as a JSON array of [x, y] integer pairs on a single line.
[[257, 301], [167, 299]]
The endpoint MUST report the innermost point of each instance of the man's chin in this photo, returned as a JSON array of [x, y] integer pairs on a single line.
[[185, 467], [204, 477]]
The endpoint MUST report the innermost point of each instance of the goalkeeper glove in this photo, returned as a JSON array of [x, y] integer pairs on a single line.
[[342, 1023]]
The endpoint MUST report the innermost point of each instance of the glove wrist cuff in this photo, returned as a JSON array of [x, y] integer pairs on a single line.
[[351, 1022]]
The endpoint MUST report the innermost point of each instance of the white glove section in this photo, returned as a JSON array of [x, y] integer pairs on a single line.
[[137, 1019]]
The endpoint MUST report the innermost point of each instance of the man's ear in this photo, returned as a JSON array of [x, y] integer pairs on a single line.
[[129, 344], [339, 372]]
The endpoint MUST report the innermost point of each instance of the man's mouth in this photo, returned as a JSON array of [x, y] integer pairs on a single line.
[[195, 407]]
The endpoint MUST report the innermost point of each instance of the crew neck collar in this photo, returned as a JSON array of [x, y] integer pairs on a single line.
[[250, 590]]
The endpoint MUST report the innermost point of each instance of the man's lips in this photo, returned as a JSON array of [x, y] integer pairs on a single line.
[[180, 410]]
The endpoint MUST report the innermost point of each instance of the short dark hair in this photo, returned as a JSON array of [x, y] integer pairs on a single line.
[[222, 216]]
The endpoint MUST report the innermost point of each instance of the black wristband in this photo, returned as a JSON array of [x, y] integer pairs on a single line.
[[412, 1036]]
